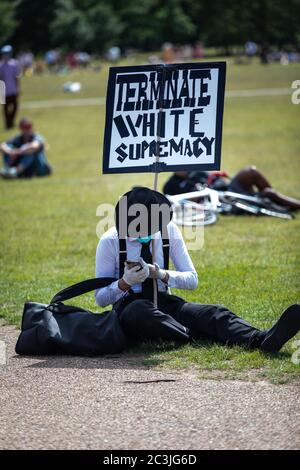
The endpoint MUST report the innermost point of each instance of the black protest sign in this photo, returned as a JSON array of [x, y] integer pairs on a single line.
[[173, 112]]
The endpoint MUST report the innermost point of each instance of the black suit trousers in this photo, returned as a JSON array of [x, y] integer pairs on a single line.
[[178, 320]]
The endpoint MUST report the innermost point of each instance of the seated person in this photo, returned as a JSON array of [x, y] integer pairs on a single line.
[[144, 239], [247, 181], [24, 154]]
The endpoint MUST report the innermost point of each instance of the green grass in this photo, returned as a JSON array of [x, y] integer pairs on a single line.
[[48, 226]]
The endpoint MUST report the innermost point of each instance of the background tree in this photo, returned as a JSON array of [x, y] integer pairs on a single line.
[[7, 20], [69, 28], [105, 25], [94, 25], [149, 23], [33, 19], [86, 25]]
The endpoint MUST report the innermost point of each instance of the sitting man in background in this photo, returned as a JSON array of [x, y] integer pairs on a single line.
[[249, 181], [24, 154]]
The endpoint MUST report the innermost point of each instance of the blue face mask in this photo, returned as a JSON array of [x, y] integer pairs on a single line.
[[144, 239]]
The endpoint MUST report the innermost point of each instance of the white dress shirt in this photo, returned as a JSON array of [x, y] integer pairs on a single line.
[[107, 263]]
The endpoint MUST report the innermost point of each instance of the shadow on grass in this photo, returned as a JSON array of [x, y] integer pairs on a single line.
[[150, 354]]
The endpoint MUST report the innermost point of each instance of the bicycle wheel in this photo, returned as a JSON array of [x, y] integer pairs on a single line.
[[191, 216]]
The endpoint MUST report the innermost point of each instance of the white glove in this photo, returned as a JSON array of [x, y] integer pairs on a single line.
[[155, 272], [136, 275]]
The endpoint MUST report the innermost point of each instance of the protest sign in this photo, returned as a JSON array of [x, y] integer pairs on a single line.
[[164, 118]]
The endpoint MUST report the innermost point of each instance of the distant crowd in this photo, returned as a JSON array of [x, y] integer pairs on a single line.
[[25, 154], [55, 61]]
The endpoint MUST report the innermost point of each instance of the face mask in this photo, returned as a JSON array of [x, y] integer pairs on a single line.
[[144, 239]]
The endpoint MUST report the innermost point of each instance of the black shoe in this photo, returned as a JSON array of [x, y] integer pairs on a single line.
[[284, 329]]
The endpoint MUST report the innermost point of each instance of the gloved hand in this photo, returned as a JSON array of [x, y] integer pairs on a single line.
[[136, 275], [155, 272]]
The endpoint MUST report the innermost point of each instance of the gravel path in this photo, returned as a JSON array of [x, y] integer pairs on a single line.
[[117, 403]]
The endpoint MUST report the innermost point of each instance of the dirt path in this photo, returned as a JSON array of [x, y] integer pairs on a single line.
[[117, 403]]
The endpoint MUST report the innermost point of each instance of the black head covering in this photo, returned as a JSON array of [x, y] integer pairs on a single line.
[[142, 212]]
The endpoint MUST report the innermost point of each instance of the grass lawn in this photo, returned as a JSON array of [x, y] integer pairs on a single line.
[[48, 226]]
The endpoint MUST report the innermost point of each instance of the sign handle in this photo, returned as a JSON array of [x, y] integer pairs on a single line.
[[155, 288], [158, 137]]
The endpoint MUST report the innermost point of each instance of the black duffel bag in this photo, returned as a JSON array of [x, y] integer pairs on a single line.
[[64, 329]]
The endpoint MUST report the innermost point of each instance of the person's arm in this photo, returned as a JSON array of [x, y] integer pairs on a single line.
[[9, 150], [106, 267], [123, 285], [31, 147], [5, 148], [185, 276]]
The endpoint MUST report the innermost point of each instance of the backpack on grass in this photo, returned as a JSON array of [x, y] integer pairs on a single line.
[[64, 329]]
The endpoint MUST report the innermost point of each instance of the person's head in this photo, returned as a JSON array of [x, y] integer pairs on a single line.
[[142, 212], [26, 127], [6, 52]]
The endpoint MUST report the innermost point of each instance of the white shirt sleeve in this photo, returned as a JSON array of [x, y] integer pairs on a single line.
[[106, 267], [185, 276], [107, 255]]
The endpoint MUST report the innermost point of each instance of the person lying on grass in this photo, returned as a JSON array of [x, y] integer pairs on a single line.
[[132, 294], [248, 181], [24, 154]]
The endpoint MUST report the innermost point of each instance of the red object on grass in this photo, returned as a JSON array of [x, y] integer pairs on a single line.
[[216, 174]]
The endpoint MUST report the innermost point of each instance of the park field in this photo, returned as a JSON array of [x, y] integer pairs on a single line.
[[250, 264]]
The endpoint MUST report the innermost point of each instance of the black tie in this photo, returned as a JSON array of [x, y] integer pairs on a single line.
[[147, 285]]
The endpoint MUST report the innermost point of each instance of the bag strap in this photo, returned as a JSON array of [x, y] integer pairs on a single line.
[[82, 288], [122, 256]]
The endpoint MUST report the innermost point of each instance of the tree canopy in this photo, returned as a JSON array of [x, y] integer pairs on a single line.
[[95, 25]]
